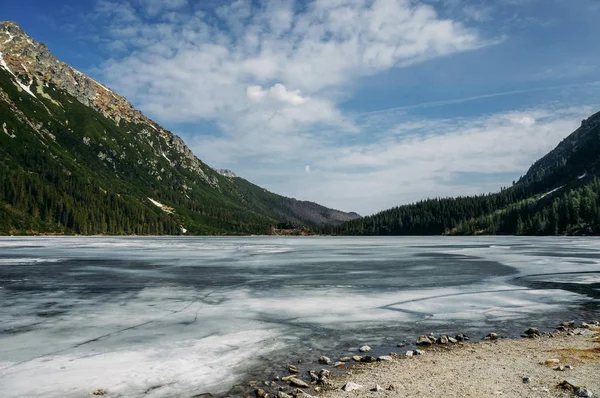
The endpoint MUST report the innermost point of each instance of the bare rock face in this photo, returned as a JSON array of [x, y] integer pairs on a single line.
[[35, 67], [226, 173]]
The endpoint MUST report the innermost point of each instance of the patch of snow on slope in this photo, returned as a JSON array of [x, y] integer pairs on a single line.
[[165, 156], [27, 88], [164, 208], [3, 64], [581, 176], [157, 204], [10, 37], [550, 192], [24, 87]]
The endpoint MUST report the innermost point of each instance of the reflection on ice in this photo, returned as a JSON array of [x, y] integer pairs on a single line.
[[164, 317]]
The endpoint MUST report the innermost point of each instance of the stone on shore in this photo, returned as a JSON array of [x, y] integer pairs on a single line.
[[442, 340], [281, 394], [357, 358], [260, 393], [461, 337], [292, 369], [368, 359], [345, 359], [491, 336], [99, 392], [364, 348], [533, 332], [324, 360], [377, 388], [385, 358], [298, 383], [339, 364], [423, 340], [409, 353], [350, 386], [583, 392], [324, 373]]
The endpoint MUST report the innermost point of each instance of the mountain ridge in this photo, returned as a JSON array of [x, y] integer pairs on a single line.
[[559, 194], [78, 158]]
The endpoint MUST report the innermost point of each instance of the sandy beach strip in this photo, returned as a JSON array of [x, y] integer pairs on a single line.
[[499, 368]]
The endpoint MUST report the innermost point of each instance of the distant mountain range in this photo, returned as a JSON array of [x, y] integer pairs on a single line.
[[560, 194], [75, 157]]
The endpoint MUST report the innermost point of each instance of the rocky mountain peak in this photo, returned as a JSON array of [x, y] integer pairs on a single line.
[[34, 69], [226, 173]]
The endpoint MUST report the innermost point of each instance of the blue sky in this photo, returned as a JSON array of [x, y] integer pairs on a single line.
[[356, 104]]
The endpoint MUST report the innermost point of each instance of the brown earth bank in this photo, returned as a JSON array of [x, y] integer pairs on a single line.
[[563, 363]]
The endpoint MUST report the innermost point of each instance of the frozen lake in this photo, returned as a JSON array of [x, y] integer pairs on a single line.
[[166, 317]]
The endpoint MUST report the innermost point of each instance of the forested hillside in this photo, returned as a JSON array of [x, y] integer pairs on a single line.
[[77, 158], [560, 194]]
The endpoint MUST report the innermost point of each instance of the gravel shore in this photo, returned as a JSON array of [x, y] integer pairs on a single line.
[[505, 368]]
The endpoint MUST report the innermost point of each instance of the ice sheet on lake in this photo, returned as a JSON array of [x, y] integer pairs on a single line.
[[195, 315]]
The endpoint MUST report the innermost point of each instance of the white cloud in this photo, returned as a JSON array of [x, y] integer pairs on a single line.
[[415, 159], [196, 65], [307, 168], [277, 92]]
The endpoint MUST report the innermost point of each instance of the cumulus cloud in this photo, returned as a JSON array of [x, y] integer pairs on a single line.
[[277, 92], [199, 64]]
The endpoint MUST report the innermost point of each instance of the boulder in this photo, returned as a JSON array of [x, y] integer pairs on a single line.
[[377, 388], [301, 394], [533, 332], [324, 360], [339, 365], [298, 383], [423, 340], [260, 393], [419, 352], [401, 344], [583, 392], [452, 340], [345, 359], [409, 353], [364, 348], [461, 337], [281, 394], [313, 376], [368, 359], [491, 336], [385, 358], [442, 340], [350, 386], [324, 373], [357, 358], [99, 392]]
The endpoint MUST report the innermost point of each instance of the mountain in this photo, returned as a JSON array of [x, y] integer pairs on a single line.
[[559, 194], [75, 157], [226, 173]]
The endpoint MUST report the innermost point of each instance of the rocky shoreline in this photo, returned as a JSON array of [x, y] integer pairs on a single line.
[[561, 363]]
